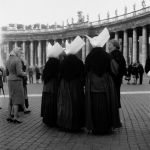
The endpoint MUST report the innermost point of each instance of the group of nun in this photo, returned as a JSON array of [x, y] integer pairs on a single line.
[[79, 95]]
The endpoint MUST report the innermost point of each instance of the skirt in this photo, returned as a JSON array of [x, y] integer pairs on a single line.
[[49, 108], [16, 92]]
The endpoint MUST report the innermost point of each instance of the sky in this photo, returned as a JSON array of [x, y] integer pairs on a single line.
[[50, 11]]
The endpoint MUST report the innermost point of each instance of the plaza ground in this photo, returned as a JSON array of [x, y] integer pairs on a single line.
[[32, 134]]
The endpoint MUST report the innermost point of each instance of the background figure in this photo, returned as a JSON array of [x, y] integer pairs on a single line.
[[140, 71], [15, 83], [26, 105], [100, 92], [129, 72], [135, 73], [37, 73], [147, 67], [71, 94], [30, 71], [50, 89], [1, 84], [118, 57]]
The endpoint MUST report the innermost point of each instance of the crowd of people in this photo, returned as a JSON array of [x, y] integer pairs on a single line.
[[76, 95], [135, 71], [79, 95]]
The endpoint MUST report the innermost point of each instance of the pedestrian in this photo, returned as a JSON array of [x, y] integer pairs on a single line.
[[129, 72], [100, 92], [1, 84], [50, 78], [38, 73], [140, 72], [30, 71], [71, 91], [135, 72], [15, 84], [117, 55]]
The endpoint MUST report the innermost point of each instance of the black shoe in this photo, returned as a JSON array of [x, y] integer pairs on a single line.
[[9, 119], [17, 121], [27, 111]]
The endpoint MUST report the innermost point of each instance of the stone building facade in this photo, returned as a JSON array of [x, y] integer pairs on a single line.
[[131, 30]]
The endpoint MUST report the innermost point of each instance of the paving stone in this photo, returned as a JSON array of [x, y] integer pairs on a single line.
[[33, 134]]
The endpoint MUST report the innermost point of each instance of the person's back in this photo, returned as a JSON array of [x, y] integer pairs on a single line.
[[117, 55], [101, 96], [140, 71], [71, 94], [13, 68]]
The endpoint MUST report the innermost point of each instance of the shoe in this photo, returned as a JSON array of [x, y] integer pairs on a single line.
[[17, 121], [9, 119], [27, 111], [12, 116]]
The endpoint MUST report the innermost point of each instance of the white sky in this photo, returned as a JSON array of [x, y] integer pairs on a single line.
[[51, 11]]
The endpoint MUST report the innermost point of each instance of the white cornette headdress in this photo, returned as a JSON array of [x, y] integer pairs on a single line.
[[75, 46], [55, 50], [101, 39]]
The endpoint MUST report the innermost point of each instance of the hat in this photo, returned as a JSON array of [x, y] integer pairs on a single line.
[[55, 50], [101, 39], [75, 46]]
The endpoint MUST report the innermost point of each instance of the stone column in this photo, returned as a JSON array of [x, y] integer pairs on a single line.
[[87, 47], [23, 46], [15, 44], [83, 50], [31, 53], [46, 48], [107, 50], [7, 50], [63, 43], [39, 54], [125, 46], [55, 41], [117, 36], [144, 45], [134, 45]]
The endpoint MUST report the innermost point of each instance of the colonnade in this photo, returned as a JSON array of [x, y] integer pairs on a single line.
[[134, 44]]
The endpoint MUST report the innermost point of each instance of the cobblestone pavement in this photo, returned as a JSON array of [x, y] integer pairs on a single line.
[[32, 134]]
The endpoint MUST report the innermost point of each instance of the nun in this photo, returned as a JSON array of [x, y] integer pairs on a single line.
[[70, 104], [50, 85], [100, 93]]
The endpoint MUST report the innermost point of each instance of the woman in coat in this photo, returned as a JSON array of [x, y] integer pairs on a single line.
[[15, 83], [101, 97], [117, 55]]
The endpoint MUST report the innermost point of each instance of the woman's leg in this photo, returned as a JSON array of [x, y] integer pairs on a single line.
[[15, 107]]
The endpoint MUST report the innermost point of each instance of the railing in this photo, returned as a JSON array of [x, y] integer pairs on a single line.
[[84, 24]]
